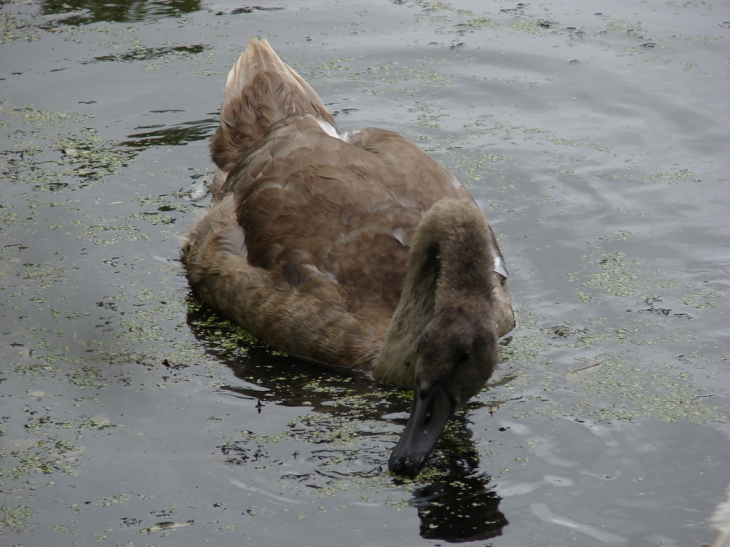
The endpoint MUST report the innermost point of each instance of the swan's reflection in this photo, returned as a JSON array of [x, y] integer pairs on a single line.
[[461, 508], [458, 505]]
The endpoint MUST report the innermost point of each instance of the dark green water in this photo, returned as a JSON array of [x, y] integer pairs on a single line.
[[594, 136]]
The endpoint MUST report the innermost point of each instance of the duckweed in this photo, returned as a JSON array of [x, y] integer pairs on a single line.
[[605, 337]]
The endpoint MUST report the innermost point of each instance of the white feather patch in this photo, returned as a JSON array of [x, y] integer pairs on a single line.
[[327, 128], [499, 267]]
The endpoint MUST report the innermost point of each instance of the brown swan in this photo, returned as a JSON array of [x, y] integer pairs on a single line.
[[355, 249]]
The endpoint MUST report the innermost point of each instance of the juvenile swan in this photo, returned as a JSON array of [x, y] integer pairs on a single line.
[[353, 249]]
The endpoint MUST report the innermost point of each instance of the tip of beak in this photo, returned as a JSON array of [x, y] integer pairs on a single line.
[[403, 464]]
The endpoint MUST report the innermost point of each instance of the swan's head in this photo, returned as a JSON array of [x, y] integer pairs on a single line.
[[457, 353]]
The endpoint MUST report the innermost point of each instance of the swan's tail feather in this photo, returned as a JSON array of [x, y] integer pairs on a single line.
[[261, 89]]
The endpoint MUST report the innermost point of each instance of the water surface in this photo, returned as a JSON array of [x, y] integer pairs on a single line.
[[594, 137]]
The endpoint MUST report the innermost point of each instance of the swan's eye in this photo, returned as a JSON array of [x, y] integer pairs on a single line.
[[463, 358]]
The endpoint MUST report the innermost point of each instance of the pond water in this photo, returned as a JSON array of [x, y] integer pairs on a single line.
[[594, 135]]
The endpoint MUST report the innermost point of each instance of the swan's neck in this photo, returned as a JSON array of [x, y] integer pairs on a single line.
[[450, 259]]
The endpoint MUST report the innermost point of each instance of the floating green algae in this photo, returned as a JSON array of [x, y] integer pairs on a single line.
[[14, 29], [16, 518], [619, 390], [616, 276], [53, 151]]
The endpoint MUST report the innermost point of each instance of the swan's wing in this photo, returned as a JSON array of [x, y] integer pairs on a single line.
[[316, 206], [409, 172]]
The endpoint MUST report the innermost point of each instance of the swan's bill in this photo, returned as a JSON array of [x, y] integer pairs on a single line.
[[432, 408]]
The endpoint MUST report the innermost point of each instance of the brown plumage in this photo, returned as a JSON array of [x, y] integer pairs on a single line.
[[356, 250]]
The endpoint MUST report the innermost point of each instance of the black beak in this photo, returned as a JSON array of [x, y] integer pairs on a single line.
[[431, 410]]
